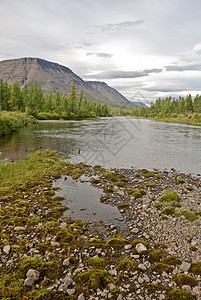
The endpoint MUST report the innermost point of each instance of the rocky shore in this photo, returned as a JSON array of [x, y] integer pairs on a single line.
[[45, 255]]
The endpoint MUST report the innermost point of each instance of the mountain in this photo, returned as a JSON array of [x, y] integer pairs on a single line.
[[110, 93], [55, 77]]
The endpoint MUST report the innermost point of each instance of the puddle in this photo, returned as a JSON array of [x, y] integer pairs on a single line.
[[84, 202]]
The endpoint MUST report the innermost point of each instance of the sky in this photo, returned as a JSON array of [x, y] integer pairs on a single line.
[[145, 49]]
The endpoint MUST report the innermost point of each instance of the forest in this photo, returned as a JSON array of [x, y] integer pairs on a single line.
[[31, 100], [182, 110]]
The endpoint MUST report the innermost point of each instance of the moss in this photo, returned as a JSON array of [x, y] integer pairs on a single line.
[[183, 279], [120, 183], [160, 246], [179, 294], [137, 175], [130, 191], [138, 193], [96, 262], [148, 175], [150, 184], [79, 225], [96, 242], [189, 188], [160, 268], [196, 268], [156, 255], [109, 175], [64, 236], [103, 198], [157, 176], [117, 243], [123, 206], [93, 279], [45, 294], [135, 242], [168, 211], [170, 196], [127, 264], [153, 288], [189, 215], [171, 260], [108, 190], [180, 181], [95, 181]]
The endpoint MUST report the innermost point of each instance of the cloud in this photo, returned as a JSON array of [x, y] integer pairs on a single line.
[[184, 67], [124, 74], [117, 26], [100, 54]]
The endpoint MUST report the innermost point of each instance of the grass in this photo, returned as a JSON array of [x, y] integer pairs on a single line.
[[12, 121]]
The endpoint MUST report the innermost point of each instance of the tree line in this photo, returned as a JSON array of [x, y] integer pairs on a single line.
[[170, 107], [31, 99]]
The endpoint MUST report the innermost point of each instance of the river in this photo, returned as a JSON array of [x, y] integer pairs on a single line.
[[117, 142]]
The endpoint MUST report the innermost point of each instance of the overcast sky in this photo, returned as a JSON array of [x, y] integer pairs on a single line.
[[144, 48]]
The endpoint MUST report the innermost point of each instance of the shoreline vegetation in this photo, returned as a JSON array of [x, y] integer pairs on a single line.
[[182, 110], [45, 255]]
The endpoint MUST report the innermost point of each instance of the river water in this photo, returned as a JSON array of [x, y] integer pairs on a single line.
[[113, 142]]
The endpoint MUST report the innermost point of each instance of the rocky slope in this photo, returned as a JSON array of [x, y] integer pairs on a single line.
[[55, 77]]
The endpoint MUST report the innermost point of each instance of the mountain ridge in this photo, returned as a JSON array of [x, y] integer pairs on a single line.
[[55, 77]]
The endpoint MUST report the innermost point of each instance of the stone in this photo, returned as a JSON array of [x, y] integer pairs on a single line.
[[120, 297], [29, 281], [33, 274], [197, 290], [81, 297], [55, 244], [66, 262], [128, 247], [71, 291], [112, 286], [6, 249], [141, 248], [113, 272], [135, 230], [185, 266], [63, 287], [186, 287], [19, 228], [68, 281], [140, 280], [142, 267], [146, 278]]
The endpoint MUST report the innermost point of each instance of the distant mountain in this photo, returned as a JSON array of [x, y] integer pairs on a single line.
[[110, 93], [55, 77]]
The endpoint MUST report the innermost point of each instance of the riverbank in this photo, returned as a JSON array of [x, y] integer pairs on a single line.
[[190, 119], [12, 121], [47, 255]]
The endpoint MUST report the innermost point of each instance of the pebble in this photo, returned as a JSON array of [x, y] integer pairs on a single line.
[[6, 249], [140, 248], [185, 266]]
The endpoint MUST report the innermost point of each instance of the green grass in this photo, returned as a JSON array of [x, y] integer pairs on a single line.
[[12, 121]]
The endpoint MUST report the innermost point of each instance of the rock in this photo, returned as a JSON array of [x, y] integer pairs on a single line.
[[146, 278], [19, 228], [141, 248], [63, 287], [185, 266], [112, 286], [68, 281], [66, 262], [29, 281], [33, 274], [120, 297], [197, 290], [55, 244], [71, 291], [135, 230], [140, 280], [6, 249], [186, 287], [113, 272], [81, 297], [142, 267], [128, 247]]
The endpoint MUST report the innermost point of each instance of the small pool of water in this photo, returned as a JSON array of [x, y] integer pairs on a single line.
[[84, 203]]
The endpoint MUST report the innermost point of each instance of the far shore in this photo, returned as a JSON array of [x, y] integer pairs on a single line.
[[59, 121]]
